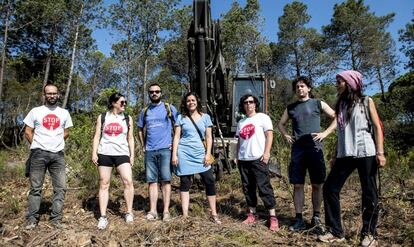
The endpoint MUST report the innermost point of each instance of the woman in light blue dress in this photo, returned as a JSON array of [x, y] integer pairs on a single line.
[[189, 155]]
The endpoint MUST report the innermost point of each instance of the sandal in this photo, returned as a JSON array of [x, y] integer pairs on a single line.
[[151, 216], [166, 217], [215, 219]]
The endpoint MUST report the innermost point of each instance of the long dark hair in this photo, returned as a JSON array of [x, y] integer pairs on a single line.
[[113, 99], [183, 107], [243, 98], [349, 98]]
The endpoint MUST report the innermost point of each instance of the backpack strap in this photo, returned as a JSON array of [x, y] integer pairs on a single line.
[[145, 115], [368, 115], [103, 115], [126, 115], [169, 115]]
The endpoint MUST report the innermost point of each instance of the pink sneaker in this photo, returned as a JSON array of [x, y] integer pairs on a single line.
[[251, 218], [273, 224]]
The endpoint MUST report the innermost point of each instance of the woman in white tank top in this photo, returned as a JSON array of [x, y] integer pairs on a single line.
[[113, 145], [357, 149]]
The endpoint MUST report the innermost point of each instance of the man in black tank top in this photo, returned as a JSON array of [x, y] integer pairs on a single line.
[[307, 148]]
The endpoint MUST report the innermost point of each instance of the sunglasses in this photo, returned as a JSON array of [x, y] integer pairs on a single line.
[[123, 102], [248, 102], [52, 94], [154, 92]]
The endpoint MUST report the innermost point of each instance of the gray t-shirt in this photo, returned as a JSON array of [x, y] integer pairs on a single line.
[[306, 117], [355, 139]]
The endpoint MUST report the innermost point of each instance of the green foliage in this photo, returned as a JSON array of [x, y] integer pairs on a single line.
[[174, 57], [302, 48], [240, 34], [397, 172], [397, 113], [12, 204], [353, 34], [407, 38], [82, 171]]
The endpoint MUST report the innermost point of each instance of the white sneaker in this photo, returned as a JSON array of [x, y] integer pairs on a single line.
[[369, 241], [330, 238], [129, 218], [102, 223]]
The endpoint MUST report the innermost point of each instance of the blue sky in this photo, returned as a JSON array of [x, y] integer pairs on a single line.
[[320, 10]]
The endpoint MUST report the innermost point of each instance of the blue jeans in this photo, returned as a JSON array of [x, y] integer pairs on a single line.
[[158, 165], [40, 162]]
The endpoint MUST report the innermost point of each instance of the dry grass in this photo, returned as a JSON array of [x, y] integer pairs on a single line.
[[81, 213]]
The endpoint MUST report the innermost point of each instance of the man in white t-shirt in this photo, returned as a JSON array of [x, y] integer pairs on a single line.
[[255, 134], [46, 128]]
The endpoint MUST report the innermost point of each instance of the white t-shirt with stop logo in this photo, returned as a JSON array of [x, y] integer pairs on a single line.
[[114, 137], [251, 133], [49, 124]]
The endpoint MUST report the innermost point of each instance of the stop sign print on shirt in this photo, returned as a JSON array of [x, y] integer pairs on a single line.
[[113, 129], [247, 131], [51, 122]]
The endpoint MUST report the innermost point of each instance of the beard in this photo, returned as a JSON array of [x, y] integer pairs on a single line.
[[155, 101], [51, 102]]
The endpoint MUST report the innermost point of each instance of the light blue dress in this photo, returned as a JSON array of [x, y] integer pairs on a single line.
[[191, 150]]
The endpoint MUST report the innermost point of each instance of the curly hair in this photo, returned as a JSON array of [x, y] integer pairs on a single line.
[[243, 98], [183, 108], [304, 79]]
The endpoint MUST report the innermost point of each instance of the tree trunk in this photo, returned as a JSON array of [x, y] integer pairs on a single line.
[[3, 63], [256, 59], [128, 86], [128, 94], [77, 93], [48, 59], [297, 63], [144, 82], [3, 56], [381, 82], [72, 62]]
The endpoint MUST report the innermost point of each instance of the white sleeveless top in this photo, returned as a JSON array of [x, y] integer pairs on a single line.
[[114, 136], [355, 140]]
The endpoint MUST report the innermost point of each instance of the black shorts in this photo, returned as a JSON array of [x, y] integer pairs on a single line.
[[111, 160], [307, 155]]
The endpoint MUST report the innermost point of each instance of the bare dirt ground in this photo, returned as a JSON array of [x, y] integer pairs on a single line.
[[81, 213]]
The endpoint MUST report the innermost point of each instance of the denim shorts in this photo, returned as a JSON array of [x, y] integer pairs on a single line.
[[158, 165], [307, 155]]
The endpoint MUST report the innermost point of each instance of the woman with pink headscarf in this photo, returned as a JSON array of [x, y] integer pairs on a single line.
[[358, 147]]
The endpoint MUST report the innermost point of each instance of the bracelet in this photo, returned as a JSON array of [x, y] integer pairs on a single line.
[[380, 153]]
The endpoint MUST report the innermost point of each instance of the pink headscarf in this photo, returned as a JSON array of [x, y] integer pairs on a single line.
[[354, 80]]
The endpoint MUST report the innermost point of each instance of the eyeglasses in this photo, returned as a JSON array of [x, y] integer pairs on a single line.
[[123, 102], [154, 92], [248, 102], [52, 94]]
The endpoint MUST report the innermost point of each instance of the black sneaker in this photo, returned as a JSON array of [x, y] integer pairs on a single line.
[[299, 225], [317, 225]]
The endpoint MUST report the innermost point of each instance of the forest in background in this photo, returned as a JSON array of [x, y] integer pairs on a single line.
[[51, 41]]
